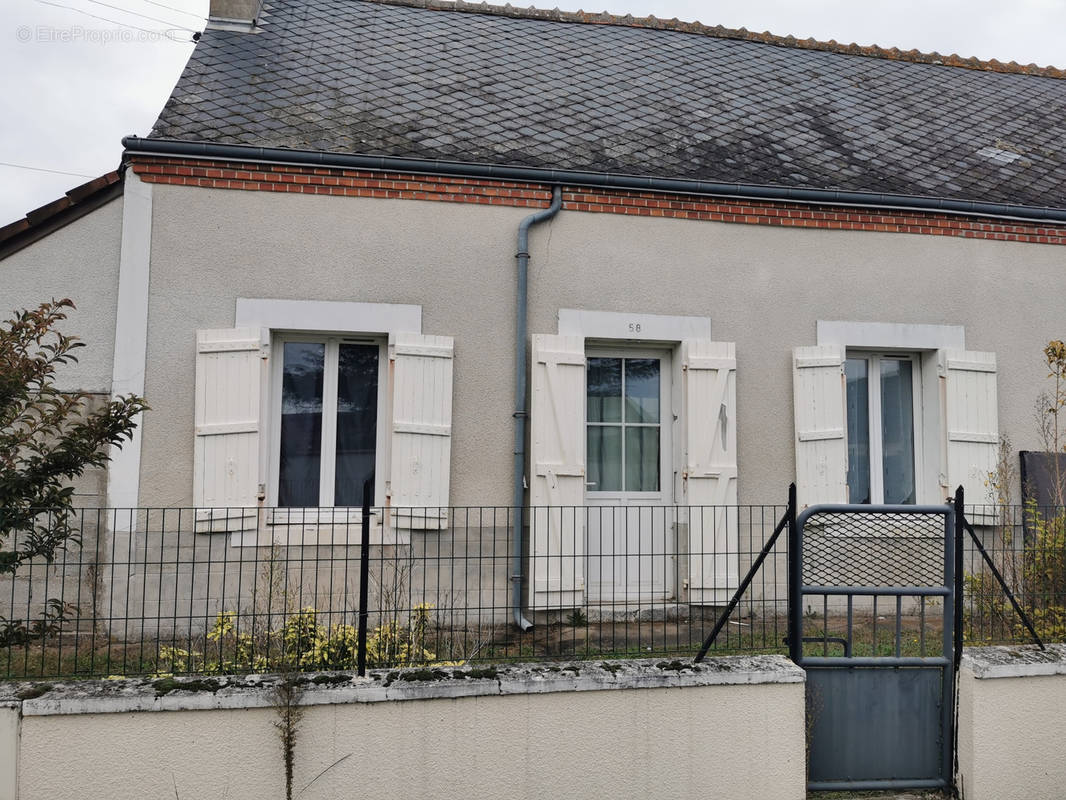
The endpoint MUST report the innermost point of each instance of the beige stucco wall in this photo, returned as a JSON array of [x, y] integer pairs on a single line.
[[764, 288], [736, 741], [79, 261], [1012, 725], [9, 752]]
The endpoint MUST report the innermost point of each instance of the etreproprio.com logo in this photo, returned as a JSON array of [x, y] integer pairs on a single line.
[[78, 34]]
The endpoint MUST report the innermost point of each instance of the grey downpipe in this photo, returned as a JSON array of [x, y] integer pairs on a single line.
[[520, 412], [278, 155]]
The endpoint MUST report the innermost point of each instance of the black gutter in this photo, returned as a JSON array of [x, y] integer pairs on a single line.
[[281, 155]]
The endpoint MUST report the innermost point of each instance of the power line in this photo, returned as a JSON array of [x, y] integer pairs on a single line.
[[123, 24], [145, 16], [175, 8], [45, 169]]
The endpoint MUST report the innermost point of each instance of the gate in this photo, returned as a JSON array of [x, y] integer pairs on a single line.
[[872, 595]]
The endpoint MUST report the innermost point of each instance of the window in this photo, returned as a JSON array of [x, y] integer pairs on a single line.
[[623, 424], [892, 413], [327, 427], [883, 406], [302, 419]]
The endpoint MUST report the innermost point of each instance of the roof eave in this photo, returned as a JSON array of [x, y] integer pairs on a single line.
[[50, 217], [278, 155]]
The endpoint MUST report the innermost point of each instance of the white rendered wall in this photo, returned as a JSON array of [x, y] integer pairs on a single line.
[[1012, 724], [578, 732]]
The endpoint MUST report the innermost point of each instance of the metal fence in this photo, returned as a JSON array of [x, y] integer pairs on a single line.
[[173, 591], [1026, 546]]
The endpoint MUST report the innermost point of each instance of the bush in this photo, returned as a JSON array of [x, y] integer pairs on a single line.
[[48, 438], [301, 643]]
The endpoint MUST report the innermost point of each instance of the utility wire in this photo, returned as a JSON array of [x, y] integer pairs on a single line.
[[175, 8], [44, 169], [123, 24], [138, 14]]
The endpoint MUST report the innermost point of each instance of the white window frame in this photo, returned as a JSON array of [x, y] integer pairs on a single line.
[[316, 320], [665, 332], [666, 357], [924, 341], [876, 434], [326, 511]]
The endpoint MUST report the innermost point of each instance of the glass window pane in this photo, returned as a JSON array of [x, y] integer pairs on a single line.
[[604, 458], [357, 421], [301, 423], [856, 372], [604, 389], [642, 390], [897, 429], [642, 459]]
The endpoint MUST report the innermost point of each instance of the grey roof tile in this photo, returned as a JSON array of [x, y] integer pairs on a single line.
[[354, 76]]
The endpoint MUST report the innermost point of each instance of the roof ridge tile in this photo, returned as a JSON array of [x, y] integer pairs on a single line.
[[721, 32]]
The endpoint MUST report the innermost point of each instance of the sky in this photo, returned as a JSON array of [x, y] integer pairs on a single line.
[[78, 75]]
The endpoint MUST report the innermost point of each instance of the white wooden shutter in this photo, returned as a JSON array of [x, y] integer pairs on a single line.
[[710, 476], [421, 430], [971, 421], [557, 470], [821, 439], [230, 382]]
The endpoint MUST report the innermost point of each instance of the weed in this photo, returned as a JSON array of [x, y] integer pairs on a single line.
[[577, 619]]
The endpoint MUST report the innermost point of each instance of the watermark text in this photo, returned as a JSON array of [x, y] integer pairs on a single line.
[[77, 34]]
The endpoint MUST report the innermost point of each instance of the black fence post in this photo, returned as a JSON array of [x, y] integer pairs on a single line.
[[960, 582], [364, 578], [795, 582]]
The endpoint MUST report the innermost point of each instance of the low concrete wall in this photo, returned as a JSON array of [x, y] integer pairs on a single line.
[[731, 727], [1012, 723]]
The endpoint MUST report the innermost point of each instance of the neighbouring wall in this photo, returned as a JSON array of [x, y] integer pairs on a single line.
[[79, 261], [763, 287], [1012, 723], [643, 730]]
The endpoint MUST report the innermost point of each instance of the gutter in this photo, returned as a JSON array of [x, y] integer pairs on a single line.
[[521, 413], [280, 155]]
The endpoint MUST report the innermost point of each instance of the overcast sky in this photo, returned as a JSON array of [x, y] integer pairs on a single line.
[[78, 75]]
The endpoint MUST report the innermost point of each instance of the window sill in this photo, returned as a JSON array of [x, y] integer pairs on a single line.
[[341, 527], [340, 517], [295, 532]]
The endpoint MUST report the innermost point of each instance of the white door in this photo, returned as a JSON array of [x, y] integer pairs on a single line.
[[630, 532]]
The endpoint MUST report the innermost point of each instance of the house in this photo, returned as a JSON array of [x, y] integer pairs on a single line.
[[751, 260]]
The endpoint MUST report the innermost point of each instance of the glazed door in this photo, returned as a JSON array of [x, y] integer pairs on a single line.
[[630, 532]]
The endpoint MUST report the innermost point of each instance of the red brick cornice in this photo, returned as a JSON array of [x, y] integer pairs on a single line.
[[402, 186]]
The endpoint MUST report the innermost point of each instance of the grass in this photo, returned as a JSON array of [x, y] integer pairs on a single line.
[[875, 637]]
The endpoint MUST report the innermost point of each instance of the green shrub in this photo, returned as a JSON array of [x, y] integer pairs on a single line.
[[301, 643]]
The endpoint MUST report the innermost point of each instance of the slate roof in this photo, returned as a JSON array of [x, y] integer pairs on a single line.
[[505, 87]]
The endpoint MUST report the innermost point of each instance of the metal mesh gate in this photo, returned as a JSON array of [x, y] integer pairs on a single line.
[[872, 590]]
